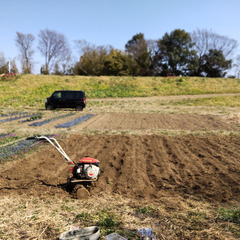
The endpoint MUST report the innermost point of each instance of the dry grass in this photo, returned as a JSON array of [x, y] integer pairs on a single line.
[[34, 218], [161, 104]]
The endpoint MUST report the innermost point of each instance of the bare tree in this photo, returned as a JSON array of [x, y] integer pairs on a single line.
[[3, 64], [236, 66], [24, 43], [84, 47], [54, 47], [205, 40], [91, 57], [2, 59]]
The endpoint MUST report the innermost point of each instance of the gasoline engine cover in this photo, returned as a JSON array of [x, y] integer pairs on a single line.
[[91, 171]]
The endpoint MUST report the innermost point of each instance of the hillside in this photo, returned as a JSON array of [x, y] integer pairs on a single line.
[[30, 91]]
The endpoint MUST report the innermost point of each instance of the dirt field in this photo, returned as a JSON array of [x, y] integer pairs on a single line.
[[140, 121], [146, 167], [137, 162]]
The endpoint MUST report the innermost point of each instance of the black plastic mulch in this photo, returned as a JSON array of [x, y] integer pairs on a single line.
[[15, 148], [15, 118], [11, 114], [50, 120], [20, 146], [74, 121]]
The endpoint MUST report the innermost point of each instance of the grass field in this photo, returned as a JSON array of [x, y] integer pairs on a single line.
[[30, 91]]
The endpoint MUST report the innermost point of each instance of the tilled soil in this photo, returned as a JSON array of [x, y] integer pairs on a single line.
[[140, 167], [141, 121], [144, 158]]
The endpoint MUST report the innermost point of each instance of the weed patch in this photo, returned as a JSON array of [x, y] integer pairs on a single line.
[[230, 215], [148, 210], [108, 222], [33, 118]]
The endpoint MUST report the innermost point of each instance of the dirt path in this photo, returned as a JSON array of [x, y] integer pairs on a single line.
[[167, 98]]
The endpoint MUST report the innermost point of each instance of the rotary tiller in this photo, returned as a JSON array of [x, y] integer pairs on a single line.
[[84, 172]]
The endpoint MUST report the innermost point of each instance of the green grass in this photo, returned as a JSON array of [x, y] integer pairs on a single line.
[[103, 218], [30, 91], [148, 210], [230, 215]]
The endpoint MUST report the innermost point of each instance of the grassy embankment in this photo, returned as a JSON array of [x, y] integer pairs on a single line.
[[30, 91]]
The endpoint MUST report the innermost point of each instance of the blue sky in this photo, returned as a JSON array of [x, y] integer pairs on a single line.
[[112, 22]]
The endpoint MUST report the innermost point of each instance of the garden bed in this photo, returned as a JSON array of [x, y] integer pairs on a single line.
[[8, 137], [74, 121], [50, 120], [18, 146], [15, 148], [34, 117], [17, 116]]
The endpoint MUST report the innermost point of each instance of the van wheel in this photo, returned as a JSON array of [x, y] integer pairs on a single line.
[[49, 107], [79, 108]]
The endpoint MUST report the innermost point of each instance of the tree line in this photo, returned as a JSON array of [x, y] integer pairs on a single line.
[[200, 53]]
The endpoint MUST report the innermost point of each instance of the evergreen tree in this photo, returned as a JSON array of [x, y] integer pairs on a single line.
[[215, 64], [175, 55]]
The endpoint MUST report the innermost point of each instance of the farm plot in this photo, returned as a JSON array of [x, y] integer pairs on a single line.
[[46, 121], [176, 173], [6, 138], [53, 122], [17, 117], [140, 121], [11, 145], [115, 122], [14, 148], [180, 174], [145, 167], [74, 121]]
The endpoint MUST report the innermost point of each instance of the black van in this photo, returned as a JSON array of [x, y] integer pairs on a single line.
[[66, 99]]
